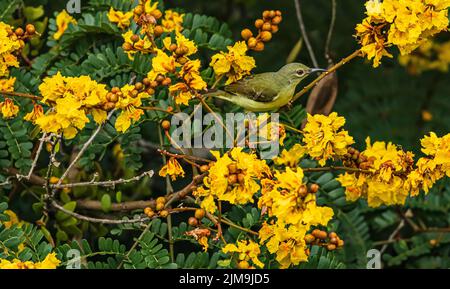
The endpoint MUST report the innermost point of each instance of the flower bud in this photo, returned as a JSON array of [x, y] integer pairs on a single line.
[[246, 34]]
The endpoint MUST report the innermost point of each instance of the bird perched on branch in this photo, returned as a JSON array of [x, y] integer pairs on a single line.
[[266, 91]]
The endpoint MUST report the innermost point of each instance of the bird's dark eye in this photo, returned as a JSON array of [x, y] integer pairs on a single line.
[[300, 72]]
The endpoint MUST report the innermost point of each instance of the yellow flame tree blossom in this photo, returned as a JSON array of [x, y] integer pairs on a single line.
[[63, 19], [7, 84], [287, 242], [191, 83], [8, 109], [234, 64], [288, 200], [129, 105], [143, 45], [430, 55], [290, 157], [434, 166], [405, 24], [9, 45], [162, 64], [50, 262], [121, 18], [384, 183], [232, 178], [70, 99], [324, 137], [173, 169], [246, 251], [173, 21]]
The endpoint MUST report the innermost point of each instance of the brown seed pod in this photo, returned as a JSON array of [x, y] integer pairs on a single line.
[[265, 36], [193, 222], [200, 214], [246, 34]]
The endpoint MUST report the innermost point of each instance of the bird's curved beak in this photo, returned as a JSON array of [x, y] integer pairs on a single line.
[[312, 70]]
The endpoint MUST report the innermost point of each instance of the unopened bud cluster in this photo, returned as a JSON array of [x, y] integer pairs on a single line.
[[266, 26]]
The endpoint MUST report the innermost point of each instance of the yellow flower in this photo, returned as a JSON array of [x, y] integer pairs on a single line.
[[173, 21], [290, 157], [324, 137], [234, 64], [63, 19], [127, 117], [429, 55], [7, 84], [36, 113], [184, 44], [203, 241], [247, 250], [50, 262], [173, 169], [9, 44], [143, 45], [122, 19], [192, 82], [162, 64], [287, 243], [8, 109]]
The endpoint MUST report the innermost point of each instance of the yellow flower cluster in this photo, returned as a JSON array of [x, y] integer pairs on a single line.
[[50, 262], [71, 98], [431, 168], [9, 45], [234, 64], [173, 21], [232, 178], [63, 19], [246, 251], [8, 109], [403, 23], [430, 55], [176, 62], [324, 137], [129, 99]]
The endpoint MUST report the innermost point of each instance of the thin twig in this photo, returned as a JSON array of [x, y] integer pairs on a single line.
[[19, 94], [305, 35], [330, 32], [111, 183]]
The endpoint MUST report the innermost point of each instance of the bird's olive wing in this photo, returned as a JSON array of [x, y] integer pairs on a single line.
[[254, 87]]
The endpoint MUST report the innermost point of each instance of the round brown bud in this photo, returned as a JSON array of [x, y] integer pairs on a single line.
[[204, 168], [19, 31], [166, 126], [277, 20], [154, 84], [314, 188], [232, 179], [139, 86], [138, 10], [182, 60], [135, 38], [109, 106], [272, 14], [115, 89], [252, 42], [159, 206], [267, 27], [156, 13], [266, 14], [241, 178], [161, 200], [315, 233], [149, 212], [200, 214], [173, 47], [164, 213], [322, 235], [246, 34], [266, 36], [340, 243], [259, 46], [232, 168], [302, 191], [111, 97], [334, 241], [193, 222], [274, 28], [127, 46], [160, 78], [31, 30], [167, 81], [259, 23], [150, 91], [331, 247], [278, 12], [332, 235], [146, 81], [309, 238], [179, 51], [134, 93], [433, 242], [158, 30], [243, 265]]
